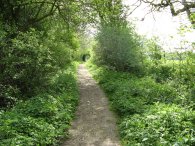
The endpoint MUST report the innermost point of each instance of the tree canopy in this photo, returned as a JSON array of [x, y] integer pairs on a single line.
[[176, 7]]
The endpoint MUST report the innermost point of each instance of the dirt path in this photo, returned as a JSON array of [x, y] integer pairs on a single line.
[[95, 124]]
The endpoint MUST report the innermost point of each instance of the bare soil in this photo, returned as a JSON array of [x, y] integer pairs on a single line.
[[95, 124]]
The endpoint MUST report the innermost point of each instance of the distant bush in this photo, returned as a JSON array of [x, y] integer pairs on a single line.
[[162, 72], [118, 47]]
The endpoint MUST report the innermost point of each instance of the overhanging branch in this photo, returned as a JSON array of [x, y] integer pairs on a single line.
[[176, 6]]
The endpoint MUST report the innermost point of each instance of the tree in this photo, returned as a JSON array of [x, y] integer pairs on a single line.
[[25, 14], [176, 7], [108, 11], [118, 45], [38, 38]]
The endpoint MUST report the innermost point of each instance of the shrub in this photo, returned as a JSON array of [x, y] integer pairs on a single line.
[[118, 47], [18, 129], [130, 94], [160, 125], [42, 119], [162, 73], [150, 113], [30, 59], [26, 65], [8, 95]]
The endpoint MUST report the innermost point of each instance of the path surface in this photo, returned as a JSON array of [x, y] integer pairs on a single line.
[[95, 124]]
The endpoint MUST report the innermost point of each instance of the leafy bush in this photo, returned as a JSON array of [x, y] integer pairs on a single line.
[[160, 125], [26, 66], [43, 119], [30, 59], [30, 63], [162, 72], [118, 47], [8, 95], [20, 129], [150, 113], [130, 94]]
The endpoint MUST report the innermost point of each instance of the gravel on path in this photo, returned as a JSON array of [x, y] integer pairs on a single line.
[[95, 124]]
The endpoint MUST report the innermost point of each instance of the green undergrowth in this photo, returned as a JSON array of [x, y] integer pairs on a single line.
[[44, 119], [150, 113]]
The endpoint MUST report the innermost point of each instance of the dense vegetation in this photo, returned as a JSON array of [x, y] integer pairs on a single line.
[[152, 92], [118, 47], [39, 43], [32, 52], [44, 118], [150, 113]]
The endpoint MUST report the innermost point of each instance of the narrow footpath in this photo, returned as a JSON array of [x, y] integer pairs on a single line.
[[95, 124]]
